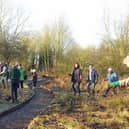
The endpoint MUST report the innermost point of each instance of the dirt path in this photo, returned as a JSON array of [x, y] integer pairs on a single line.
[[20, 118]]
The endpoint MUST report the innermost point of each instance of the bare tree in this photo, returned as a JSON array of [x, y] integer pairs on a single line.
[[11, 28]]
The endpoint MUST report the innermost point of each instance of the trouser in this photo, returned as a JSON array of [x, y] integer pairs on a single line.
[[4, 82], [76, 87], [91, 88], [14, 86], [34, 83], [21, 88], [110, 86], [21, 84]]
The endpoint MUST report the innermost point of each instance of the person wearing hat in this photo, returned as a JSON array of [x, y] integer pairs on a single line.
[[113, 81]]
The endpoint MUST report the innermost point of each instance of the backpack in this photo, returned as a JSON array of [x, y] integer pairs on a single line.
[[115, 77]]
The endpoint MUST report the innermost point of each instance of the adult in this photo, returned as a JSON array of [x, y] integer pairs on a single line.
[[33, 69], [15, 77], [91, 80], [113, 81], [4, 74], [76, 78], [22, 77], [35, 78]]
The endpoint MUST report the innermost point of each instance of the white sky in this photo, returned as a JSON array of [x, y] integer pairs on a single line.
[[84, 17]]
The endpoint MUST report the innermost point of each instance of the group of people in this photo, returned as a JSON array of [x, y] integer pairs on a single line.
[[92, 78], [17, 76], [14, 77]]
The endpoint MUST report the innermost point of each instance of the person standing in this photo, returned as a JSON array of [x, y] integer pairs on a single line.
[[25, 76], [91, 80], [112, 79], [22, 75], [33, 69], [35, 78], [15, 77], [4, 75], [76, 78]]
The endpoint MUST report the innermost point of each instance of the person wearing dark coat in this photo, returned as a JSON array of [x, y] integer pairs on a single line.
[[15, 78], [76, 77], [35, 79], [91, 80]]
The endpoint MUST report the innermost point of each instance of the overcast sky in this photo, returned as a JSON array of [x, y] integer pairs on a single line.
[[84, 17]]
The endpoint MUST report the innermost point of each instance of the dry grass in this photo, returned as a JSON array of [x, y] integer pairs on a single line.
[[55, 121], [74, 112]]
